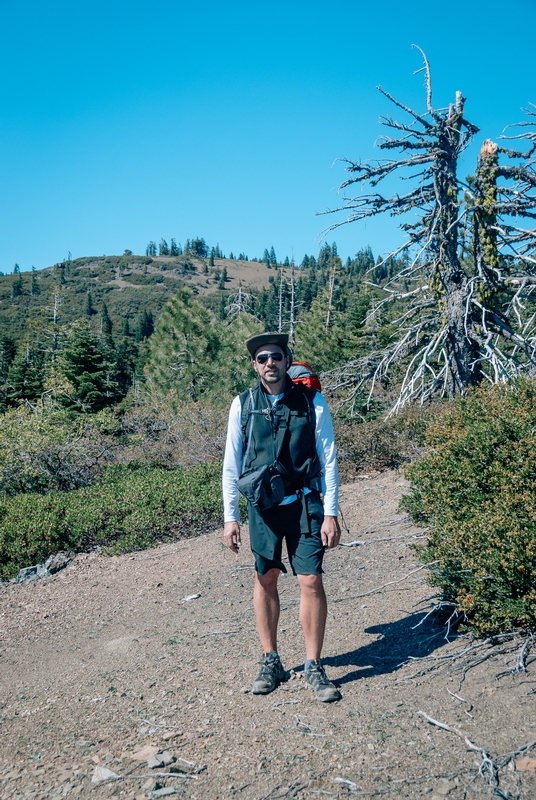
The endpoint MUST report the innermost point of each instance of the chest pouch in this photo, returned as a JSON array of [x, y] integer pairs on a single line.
[[263, 487]]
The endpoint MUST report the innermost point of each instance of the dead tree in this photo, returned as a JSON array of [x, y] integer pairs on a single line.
[[450, 331]]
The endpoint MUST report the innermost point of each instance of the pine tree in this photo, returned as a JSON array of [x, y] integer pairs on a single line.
[[223, 278], [7, 354], [35, 289], [127, 358], [163, 249], [84, 363], [89, 311], [273, 258], [145, 327], [173, 249], [183, 350], [126, 328], [17, 286], [25, 379], [106, 323]]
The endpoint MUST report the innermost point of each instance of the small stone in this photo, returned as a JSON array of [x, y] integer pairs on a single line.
[[103, 774], [154, 762], [171, 735], [145, 753], [167, 790], [148, 785], [57, 562], [444, 787], [166, 758], [526, 764]]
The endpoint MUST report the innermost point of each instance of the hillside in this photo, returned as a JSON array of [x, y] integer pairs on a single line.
[[128, 285]]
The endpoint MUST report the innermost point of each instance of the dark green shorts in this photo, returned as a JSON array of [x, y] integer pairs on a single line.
[[299, 524]]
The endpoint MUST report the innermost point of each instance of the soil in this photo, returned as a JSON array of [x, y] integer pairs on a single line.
[[159, 648]]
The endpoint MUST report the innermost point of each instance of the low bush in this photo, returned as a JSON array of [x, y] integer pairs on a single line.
[[126, 510], [381, 444], [45, 449], [476, 488]]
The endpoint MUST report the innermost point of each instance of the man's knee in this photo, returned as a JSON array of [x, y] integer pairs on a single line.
[[311, 584], [269, 579]]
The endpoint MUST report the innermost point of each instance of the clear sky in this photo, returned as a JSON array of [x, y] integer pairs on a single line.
[[128, 120]]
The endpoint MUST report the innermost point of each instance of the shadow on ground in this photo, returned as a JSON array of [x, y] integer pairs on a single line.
[[397, 643]]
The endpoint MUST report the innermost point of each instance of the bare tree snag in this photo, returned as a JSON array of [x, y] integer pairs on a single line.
[[465, 318]]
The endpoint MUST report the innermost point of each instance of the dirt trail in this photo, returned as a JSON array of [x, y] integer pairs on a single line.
[[108, 656]]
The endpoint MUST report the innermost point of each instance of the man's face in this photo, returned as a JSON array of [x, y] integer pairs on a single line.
[[270, 370]]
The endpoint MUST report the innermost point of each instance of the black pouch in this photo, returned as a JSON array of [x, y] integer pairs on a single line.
[[263, 487]]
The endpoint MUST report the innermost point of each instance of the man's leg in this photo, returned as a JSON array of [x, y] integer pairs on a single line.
[[313, 613], [266, 602]]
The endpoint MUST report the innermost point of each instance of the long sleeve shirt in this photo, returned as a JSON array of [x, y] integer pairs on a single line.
[[325, 447]]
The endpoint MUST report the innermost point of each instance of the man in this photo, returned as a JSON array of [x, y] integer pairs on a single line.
[[289, 426]]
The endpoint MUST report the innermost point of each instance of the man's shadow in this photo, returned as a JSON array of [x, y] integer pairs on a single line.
[[397, 643]]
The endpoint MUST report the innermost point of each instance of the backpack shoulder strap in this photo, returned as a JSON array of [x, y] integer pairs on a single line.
[[247, 404], [310, 395]]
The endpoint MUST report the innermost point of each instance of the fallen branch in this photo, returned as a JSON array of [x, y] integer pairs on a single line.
[[383, 586], [487, 769], [158, 725], [359, 542], [218, 633], [521, 662]]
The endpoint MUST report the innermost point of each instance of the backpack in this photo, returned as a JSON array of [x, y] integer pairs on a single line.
[[300, 372]]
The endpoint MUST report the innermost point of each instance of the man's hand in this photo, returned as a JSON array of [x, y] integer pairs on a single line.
[[330, 532], [231, 534]]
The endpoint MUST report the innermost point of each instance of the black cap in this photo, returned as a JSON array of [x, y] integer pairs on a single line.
[[263, 339]]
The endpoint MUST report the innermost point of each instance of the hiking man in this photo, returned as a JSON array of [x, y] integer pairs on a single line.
[[280, 450]]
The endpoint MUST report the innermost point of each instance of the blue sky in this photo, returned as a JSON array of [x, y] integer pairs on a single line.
[[122, 122]]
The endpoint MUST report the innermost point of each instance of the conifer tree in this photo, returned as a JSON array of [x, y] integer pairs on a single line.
[[145, 327], [183, 350], [106, 323], [84, 364], [17, 285], [163, 249], [25, 379], [89, 310], [35, 288], [223, 278]]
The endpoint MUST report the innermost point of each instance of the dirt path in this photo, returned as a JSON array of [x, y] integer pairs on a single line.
[[98, 660]]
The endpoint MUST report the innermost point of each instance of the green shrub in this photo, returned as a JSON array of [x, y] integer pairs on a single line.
[[381, 443], [44, 449], [476, 489], [126, 510]]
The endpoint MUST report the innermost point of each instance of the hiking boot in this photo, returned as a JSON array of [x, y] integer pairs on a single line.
[[270, 676], [325, 690]]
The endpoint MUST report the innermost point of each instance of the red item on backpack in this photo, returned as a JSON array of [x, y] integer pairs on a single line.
[[300, 372]]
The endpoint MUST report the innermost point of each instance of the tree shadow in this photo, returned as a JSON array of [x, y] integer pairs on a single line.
[[398, 641]]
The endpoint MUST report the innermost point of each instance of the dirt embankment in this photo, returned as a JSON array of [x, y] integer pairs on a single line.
[[109, 656]]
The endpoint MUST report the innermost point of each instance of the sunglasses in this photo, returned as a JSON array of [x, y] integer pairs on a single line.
[[263, 358]]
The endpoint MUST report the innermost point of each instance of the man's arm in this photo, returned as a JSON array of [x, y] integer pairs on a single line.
[[232, 467], [325, 447]]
